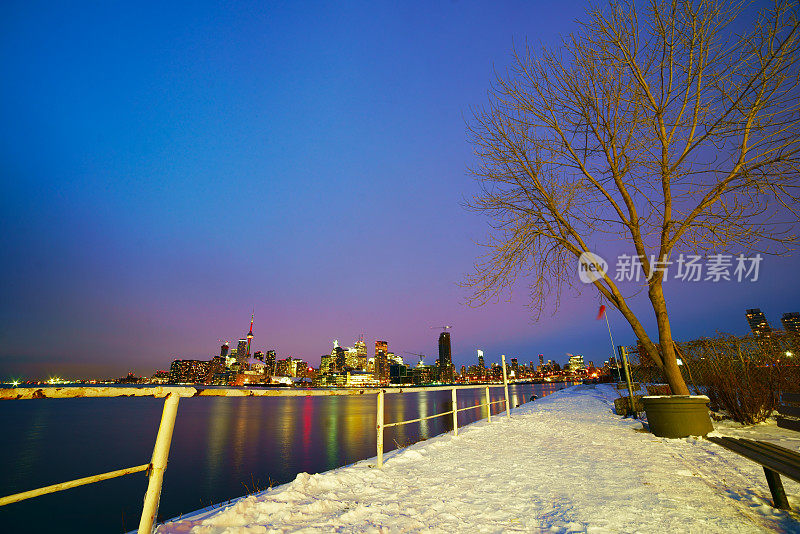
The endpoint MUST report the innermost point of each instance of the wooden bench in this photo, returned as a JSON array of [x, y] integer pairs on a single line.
[[775, 460]]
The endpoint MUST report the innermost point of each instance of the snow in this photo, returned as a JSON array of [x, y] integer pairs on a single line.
[[564, 463]]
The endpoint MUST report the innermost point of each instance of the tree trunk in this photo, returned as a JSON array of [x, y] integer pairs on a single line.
[[673, 373], [619, 303]]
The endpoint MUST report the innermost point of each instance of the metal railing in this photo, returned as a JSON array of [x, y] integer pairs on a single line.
[[381, 426], [172, 395]]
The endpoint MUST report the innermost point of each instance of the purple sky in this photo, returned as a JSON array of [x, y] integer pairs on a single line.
[[165, 170]]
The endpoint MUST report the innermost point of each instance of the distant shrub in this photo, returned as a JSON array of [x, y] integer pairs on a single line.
[[746, 392], [658, 389], [741, 375], [622, 405]]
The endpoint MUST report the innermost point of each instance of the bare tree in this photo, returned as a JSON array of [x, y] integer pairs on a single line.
[[670, 127]]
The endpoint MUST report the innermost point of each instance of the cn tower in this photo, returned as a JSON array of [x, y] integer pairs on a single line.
[[250, 333]]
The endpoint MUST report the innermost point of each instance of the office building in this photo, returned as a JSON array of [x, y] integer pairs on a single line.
[[269, 362], [445, 361], [758, 323], [575, 363], [381, 366], [791, 322], [241, 353], [188, 371], [285, 367], [340, 359], [361, 353]]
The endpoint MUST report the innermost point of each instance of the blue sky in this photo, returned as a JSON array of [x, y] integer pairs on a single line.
[[167, 169]]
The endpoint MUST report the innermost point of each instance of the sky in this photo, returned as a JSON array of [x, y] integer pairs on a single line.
[[166, 170]]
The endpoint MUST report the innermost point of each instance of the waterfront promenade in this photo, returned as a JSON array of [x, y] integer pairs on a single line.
[[563, 463]]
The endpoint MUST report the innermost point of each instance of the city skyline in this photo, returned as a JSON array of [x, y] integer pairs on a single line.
[[166, 171]]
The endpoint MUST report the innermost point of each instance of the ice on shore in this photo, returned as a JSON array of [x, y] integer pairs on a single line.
[[564, 463]]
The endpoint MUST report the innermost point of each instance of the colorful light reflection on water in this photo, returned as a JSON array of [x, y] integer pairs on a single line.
[[222, 448]]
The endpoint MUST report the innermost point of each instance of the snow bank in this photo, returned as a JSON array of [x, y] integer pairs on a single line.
[[564, 463]]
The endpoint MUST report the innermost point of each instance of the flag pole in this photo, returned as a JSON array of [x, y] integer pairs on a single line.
[[623, 352], [613, 347]]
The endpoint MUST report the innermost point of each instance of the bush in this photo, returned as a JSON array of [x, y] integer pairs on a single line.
[[658, 389], [746, 392], [741, 375]]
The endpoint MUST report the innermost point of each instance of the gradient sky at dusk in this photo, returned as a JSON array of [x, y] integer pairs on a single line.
[[166, 169]]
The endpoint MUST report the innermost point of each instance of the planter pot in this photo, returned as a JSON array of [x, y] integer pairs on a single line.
[[678, 416]]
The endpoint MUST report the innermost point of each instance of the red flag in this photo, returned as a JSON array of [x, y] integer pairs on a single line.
[[601, 312]]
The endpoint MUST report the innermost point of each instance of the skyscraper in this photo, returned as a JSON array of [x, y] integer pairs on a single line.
[[575, 362], [481, 363], [224, 350], [381, 370], [445, 361], [269, 362], [340, 359], [328, 363], [791, 322], [361, 353], [241, 353], [758, 323]]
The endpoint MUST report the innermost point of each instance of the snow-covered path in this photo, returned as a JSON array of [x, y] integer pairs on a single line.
[[563, 463]]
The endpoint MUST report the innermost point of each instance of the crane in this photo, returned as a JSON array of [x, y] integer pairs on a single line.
[[421, 356], [446, 327]]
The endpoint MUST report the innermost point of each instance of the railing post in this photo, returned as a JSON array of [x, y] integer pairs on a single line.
[[158, 464], [455, 413], [488, 405], [380, 428], [505, 385], [624, 354]]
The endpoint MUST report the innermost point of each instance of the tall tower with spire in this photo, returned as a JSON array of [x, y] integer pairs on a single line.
[[250, 333]]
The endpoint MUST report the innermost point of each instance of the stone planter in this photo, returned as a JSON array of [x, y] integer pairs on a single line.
[[678, 416]]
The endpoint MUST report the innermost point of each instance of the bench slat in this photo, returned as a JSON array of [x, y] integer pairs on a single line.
[[784, 409], [791, 424], [790, 397], [792, 457], [759, 456]]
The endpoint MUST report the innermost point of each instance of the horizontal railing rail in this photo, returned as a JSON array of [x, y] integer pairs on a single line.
[[72, 484], [407, 421], [381, 426], [76, 392], [434, 416], [172, 394]]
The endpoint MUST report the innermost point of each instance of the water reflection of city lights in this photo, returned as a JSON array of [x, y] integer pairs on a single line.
[[422, 407], [218, 433], [308, 415]]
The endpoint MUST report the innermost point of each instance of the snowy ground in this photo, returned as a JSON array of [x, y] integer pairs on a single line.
[[563, 463]]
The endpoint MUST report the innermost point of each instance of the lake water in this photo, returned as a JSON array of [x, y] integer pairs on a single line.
[[222, 448]]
